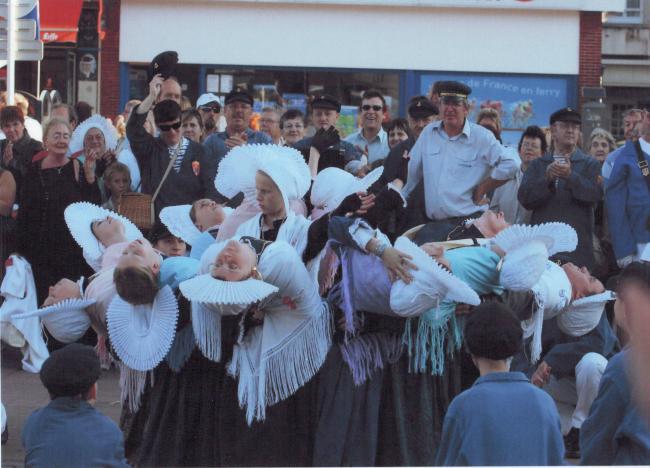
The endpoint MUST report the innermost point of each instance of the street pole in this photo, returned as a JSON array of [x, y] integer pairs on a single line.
[[11, 50]]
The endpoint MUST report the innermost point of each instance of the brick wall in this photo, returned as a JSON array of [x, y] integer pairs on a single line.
[[590, 50], [110, 61]]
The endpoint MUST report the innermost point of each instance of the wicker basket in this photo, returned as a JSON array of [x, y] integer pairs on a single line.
[[138, 207]]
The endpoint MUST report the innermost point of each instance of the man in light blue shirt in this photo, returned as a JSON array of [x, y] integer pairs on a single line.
[[459, 161], [238, 111], [371, 139]]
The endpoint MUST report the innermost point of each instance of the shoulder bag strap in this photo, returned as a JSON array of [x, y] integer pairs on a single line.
[[642, 163], [164, 177]]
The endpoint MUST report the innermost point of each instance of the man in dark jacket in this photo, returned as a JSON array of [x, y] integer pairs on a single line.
[[69, 431], [191, 176], [565, 186]]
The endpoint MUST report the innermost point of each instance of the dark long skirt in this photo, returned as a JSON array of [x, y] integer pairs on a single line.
[[181, 424], [413, 409], [347, 415], [394, 418], [183, 409], [284, 438]]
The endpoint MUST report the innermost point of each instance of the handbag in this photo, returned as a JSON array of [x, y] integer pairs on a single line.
[[140, 207]]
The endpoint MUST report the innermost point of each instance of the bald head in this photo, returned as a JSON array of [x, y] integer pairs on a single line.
[[170, 89]]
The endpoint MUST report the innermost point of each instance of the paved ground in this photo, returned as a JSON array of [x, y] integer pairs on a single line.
[[22, 393]]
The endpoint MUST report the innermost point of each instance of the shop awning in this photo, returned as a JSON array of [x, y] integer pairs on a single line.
[[60, 20]]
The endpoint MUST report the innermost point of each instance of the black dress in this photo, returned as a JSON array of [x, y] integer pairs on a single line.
[[44, 237]]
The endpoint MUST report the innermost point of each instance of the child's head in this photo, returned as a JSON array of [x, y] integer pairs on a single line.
[[206, 213], [237, 261], [117, 179], [107, 230], [71, 371], [493, 332], [135, 275], [63, 289], [165, 242]]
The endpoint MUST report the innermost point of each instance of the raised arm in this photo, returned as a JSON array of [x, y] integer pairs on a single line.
[[142, 143]]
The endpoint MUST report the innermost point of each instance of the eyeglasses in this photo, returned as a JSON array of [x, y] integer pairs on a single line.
[[567, 125], [452, 101], [367, 107], [168, 127], [527, 145], [214, 109]]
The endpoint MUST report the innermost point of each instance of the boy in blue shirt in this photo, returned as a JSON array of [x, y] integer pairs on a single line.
[[502, 419], [69, 432]]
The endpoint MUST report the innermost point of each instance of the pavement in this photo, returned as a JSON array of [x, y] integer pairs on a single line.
[[22, 393]]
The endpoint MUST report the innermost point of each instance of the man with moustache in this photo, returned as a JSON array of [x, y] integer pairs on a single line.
[[238, 111], [458, 161], [209, 107]]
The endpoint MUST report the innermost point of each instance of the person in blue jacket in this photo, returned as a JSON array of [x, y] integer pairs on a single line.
[[615, 433], [69, 432], [627, 200], [502, 419]]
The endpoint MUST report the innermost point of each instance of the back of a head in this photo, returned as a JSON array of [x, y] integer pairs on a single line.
[[493, 332], [136, 285], [83, 110], [637, 273], [70, 371], [22, 102]]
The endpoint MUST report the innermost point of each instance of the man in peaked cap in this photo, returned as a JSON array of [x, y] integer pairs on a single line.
[[333, 152], [565, 186], [69, 431], [459, 162], [238, 111], [421, 112]]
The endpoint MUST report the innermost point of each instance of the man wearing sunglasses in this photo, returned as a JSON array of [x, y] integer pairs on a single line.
[[458, 161], [191, 175], [371, 139], [209, 107]]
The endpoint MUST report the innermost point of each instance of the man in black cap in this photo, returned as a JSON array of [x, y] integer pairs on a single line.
[[238, 111], [329, 149], [502, 419], [459, 162], [69, 431], [565, 186]]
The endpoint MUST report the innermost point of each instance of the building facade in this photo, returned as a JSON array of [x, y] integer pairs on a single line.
[[626, 60]]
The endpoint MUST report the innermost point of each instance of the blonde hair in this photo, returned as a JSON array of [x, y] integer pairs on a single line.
[[605, 135], [52, 122], [489, 113]]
